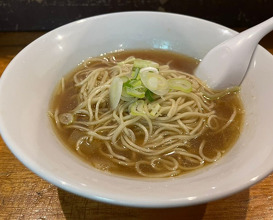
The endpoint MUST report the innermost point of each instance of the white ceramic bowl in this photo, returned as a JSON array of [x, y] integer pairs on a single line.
[[27, 84]]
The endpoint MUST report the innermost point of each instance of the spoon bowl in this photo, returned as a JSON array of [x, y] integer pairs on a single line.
[[225, 65]]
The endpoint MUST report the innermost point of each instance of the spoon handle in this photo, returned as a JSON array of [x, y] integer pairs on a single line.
[[250, 38], [260, 30]]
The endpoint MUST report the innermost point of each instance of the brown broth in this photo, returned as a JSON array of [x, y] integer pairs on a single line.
[[222, 142]]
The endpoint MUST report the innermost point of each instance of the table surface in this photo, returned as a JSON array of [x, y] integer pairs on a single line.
[[24, 195]]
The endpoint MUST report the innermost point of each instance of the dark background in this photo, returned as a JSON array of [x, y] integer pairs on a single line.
[[44, 15]]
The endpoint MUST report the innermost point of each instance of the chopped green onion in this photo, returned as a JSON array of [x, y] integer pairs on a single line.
[[180, 84], [145, 63], [115, 91], [154, 82], [135, 72], [155, 109], [136, 92], [137, 108], [140, 108], [149, 69], [149, 95], [132, 83], [135, 88], [136, 83], [124, 93]]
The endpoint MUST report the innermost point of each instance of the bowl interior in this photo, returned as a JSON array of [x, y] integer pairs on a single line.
[[28, 82]]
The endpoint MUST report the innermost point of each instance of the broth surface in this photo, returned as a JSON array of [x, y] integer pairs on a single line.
[[91, 152]]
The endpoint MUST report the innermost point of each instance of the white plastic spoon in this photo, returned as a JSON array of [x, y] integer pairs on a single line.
[[226, 64]]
